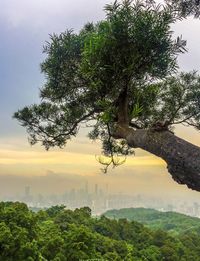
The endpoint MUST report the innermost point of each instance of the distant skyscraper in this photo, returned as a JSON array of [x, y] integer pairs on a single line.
[[72, 194], [96, 190], [107, 189], [86, 188], [27, 192]]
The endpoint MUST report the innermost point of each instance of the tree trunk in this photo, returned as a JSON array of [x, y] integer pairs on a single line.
[[182, 157]]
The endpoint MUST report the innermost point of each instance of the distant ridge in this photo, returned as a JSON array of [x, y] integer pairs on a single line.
[[168, 221]]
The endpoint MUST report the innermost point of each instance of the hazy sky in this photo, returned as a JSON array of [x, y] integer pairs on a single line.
[[24, 28]]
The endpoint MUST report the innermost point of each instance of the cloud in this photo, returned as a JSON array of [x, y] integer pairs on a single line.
[[25, 25], [42, 13], [188, 29], [144, 181]]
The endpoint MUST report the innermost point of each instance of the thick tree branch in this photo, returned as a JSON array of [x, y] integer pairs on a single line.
[[182, 157], [123, 118], [135, 126]]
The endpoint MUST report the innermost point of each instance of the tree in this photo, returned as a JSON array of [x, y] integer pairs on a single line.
[[152, 253], [120, 76], [55, 210], [186, 7], [18, 232], [50, 239], [80, 244]]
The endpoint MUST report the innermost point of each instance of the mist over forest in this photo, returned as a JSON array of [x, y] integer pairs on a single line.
[[99, 135]]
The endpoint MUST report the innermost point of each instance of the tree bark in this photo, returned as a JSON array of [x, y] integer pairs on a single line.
[[182, 157]]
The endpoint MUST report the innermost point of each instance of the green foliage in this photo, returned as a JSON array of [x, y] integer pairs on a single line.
[[132, 52], [186, 7], [55, 210], [80, 243], [18, 233], [68, 235], [172, 222]]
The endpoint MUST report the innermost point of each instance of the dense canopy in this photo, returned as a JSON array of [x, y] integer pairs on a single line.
[[60, 234]]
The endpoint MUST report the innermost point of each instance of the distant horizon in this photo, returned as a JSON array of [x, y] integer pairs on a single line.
[[25, 26]]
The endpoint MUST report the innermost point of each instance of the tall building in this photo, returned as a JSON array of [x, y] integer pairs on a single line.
[[86, 188], [96, 190], [27, 192], [27, 195]]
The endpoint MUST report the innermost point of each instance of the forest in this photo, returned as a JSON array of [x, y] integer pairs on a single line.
[[120, 78], [172, 222], [60, 234]]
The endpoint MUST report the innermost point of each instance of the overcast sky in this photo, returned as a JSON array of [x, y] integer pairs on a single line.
[[24, 28]]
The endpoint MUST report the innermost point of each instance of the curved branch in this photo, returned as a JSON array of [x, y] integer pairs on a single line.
[[48, 131], [74, 126], [185, 120], [135, 126], [182, 157]]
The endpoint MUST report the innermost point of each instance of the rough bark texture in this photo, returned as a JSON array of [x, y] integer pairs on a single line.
[[182, 157]]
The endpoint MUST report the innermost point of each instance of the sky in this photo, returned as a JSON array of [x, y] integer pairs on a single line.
[[24, 28]]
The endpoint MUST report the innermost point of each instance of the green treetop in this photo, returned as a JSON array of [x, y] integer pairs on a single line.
[[120, 76]]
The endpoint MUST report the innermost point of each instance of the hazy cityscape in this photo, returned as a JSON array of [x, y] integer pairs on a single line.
[[100, 127], [100, 199]]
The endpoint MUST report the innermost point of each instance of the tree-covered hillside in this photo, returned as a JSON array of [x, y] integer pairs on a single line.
[[59, 234], [168, 221]]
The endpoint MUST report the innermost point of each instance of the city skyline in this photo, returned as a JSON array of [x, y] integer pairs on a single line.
[[24, 28], [100, 199]]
